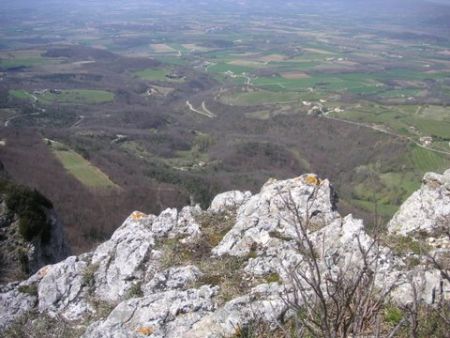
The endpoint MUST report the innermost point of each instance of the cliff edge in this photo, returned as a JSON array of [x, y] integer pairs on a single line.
[[215, 272]]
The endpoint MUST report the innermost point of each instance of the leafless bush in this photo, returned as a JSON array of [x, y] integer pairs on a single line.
[[332, 295]]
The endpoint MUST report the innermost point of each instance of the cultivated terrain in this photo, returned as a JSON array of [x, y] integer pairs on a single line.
[[107, 108]]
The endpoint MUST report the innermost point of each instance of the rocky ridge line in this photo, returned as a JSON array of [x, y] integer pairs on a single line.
[[195, 273]]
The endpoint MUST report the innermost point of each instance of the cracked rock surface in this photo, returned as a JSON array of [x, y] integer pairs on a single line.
[[149, 296]]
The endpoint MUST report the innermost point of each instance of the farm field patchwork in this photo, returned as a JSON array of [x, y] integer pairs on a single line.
[[149, 85]]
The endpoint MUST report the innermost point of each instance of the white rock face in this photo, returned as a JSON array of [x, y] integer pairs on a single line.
[[123, 259], [229, 201], [154, 313], [268, 212], [173, 301], [63, 291], [175, 224], [262, 303], [13, 304], [426, 209], [177, 278]]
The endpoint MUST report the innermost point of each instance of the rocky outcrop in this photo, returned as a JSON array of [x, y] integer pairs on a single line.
[[427, 210], [229, 201], [162, 314], [167, 276], [270, 212]]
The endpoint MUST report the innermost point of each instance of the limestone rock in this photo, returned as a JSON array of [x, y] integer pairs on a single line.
[[124, 258], [171, 300], [14, 304], [262, 303], [63, 289], [176, 278], [165, 314], [229, 201], [173, 224], [425, 210], [268, 213]]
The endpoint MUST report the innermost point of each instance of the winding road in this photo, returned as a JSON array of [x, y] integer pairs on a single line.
[[204, 111]]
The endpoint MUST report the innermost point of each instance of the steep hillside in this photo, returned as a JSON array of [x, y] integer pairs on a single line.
[[260, 265], [31, 235]]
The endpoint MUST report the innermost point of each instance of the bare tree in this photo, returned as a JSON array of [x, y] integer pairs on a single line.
[[332, 294]]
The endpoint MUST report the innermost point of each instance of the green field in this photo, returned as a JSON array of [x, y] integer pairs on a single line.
[[425, 160], [80, 168], [84, 96], [429, 121], [354, 82], [20, 62], [225, 67], [258, 97], [20, 94], [404, 92], [390, 189], [87, 96]]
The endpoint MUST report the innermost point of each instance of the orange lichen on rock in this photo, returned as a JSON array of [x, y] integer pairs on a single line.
[[137, 215], [312, 180], [145, 330], [44, 271]]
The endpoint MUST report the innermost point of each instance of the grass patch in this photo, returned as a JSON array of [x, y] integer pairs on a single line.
[[86, 96], [135, 291], [259, 115], [21, 62], [354, 82], [425, 160], [227, 67], [20, 94], [80, 168], [225, 272], [400, 93], [392, 315], [31, 290], [258, 97], [34, 324], [440, 129], [80, 96], [24, 59], [402, 245]]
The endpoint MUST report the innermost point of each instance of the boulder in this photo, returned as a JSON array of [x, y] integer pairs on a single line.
[[229, 201], [426, 210]]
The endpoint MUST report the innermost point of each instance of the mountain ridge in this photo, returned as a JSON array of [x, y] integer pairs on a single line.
[[212, 273]]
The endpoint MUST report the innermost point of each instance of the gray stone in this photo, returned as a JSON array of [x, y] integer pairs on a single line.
[[425, 210], [63, 290], [153, 313], [124, 258], [14, 304], [229, 201], [177, 278]]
